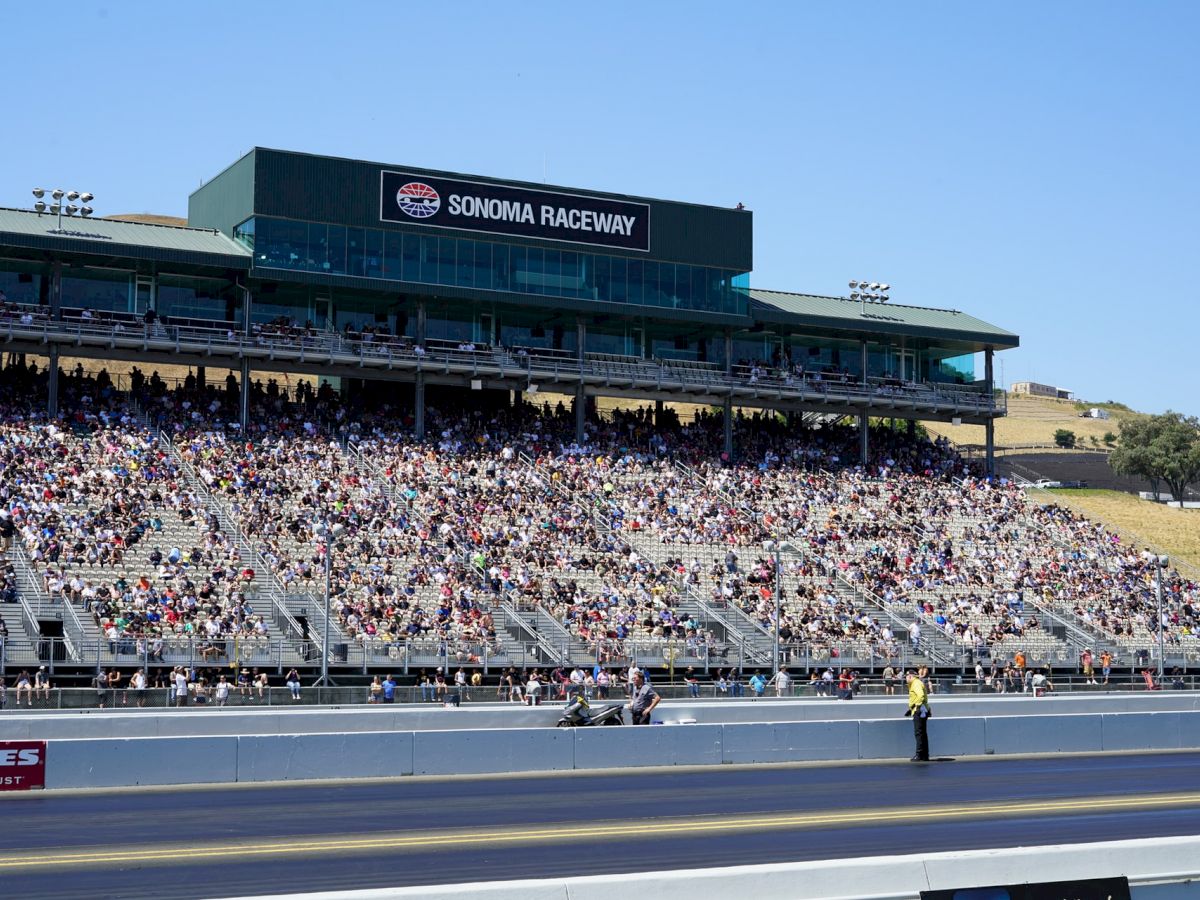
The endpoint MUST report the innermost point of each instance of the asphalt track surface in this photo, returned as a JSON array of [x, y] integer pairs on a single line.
[[224, 842]]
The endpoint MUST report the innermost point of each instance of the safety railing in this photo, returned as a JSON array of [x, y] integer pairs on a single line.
[[390, 352]]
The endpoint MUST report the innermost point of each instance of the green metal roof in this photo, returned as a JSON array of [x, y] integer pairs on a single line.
[[843, 314], [105, 237]]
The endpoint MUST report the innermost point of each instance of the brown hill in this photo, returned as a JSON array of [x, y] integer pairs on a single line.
[[149, 219]]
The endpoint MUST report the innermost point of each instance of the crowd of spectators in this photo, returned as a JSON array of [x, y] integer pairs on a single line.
[[615, 537]]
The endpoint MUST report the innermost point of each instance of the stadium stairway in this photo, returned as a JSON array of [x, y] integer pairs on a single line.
[[520, 641], [265, 592]]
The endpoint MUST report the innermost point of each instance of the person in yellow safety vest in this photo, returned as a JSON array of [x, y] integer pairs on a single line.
[[918, 708]]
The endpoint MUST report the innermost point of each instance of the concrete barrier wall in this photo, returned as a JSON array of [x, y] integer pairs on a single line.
[[132, 761], [264, 720], [103, 762], [1157, 869]]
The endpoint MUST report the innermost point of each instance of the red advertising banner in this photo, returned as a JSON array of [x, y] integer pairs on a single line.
[[22, 765]]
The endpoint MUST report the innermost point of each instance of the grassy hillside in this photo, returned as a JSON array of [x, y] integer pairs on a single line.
[[1033, 420], [1175, 531]]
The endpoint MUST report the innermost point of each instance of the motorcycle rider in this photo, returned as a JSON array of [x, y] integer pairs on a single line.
[[578, 708]]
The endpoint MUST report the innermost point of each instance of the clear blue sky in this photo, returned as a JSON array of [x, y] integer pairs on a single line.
[[1032, 163]]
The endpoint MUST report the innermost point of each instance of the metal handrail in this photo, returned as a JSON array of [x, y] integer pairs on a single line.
[[395, 352], [274, 588]]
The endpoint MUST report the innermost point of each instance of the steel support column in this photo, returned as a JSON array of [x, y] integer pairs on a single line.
[[863, 353], [864, 447], [989, 431], [419, 384], [580, 397], [419, 406], [729, 429], [56, 291], [658, 414], [52, 382], [244, 406], [580, 412]]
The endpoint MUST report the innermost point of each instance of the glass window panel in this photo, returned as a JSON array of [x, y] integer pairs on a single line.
[[650, 280], [534, 277], [335, 242], [22, 282], [393, 252], [600, 283], [635, 276], [410, 269], [356, 252], [515, 278], [683, 286], [483, 265], [465, 264], [317, 254], [97, 289], [429, 259], [552, 269], [281, 244], [501, 268], [619, 290], [373, 254], [446, 253], [571, 274]]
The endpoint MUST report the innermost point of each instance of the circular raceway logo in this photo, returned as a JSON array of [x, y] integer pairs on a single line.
[[418, 200]]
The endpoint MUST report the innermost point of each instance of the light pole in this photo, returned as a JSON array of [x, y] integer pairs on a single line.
[[57, 208], [869, 290], [330, 533], [1159, 562]]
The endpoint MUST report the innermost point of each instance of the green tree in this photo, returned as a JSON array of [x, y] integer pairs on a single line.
[[1064, 438], [1160, 448], [1110, 438]]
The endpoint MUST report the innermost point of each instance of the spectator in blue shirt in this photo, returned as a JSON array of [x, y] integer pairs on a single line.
[[389, 690], [758, 684]]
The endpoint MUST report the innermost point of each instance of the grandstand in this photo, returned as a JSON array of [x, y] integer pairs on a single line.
[[486, 514]]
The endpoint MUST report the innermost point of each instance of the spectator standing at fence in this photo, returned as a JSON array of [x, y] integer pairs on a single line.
[[137, 683], [758, 685], [100, 682], [889, 679], [180, 687], [918, 709], [3, 693], [114, 685], [533, 689], [692, 682], [222, 691], [1105, 664], [243, 683], [261, 682], [1087, 663], [375, 691], [643, 699], [783, 683], [389, 689]]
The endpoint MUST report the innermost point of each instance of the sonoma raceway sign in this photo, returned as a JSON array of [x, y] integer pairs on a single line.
[[502, 209]]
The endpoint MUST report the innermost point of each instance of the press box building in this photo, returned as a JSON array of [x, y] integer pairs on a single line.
[[574, 291]]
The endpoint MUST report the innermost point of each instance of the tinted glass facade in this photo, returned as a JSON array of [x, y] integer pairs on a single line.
[[490, 266]]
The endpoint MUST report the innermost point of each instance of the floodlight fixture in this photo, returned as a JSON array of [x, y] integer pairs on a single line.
[[39, 193], [72, 195], [57, 193]]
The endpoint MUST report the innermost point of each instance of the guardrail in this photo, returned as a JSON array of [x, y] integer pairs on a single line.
[[391, 353]]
